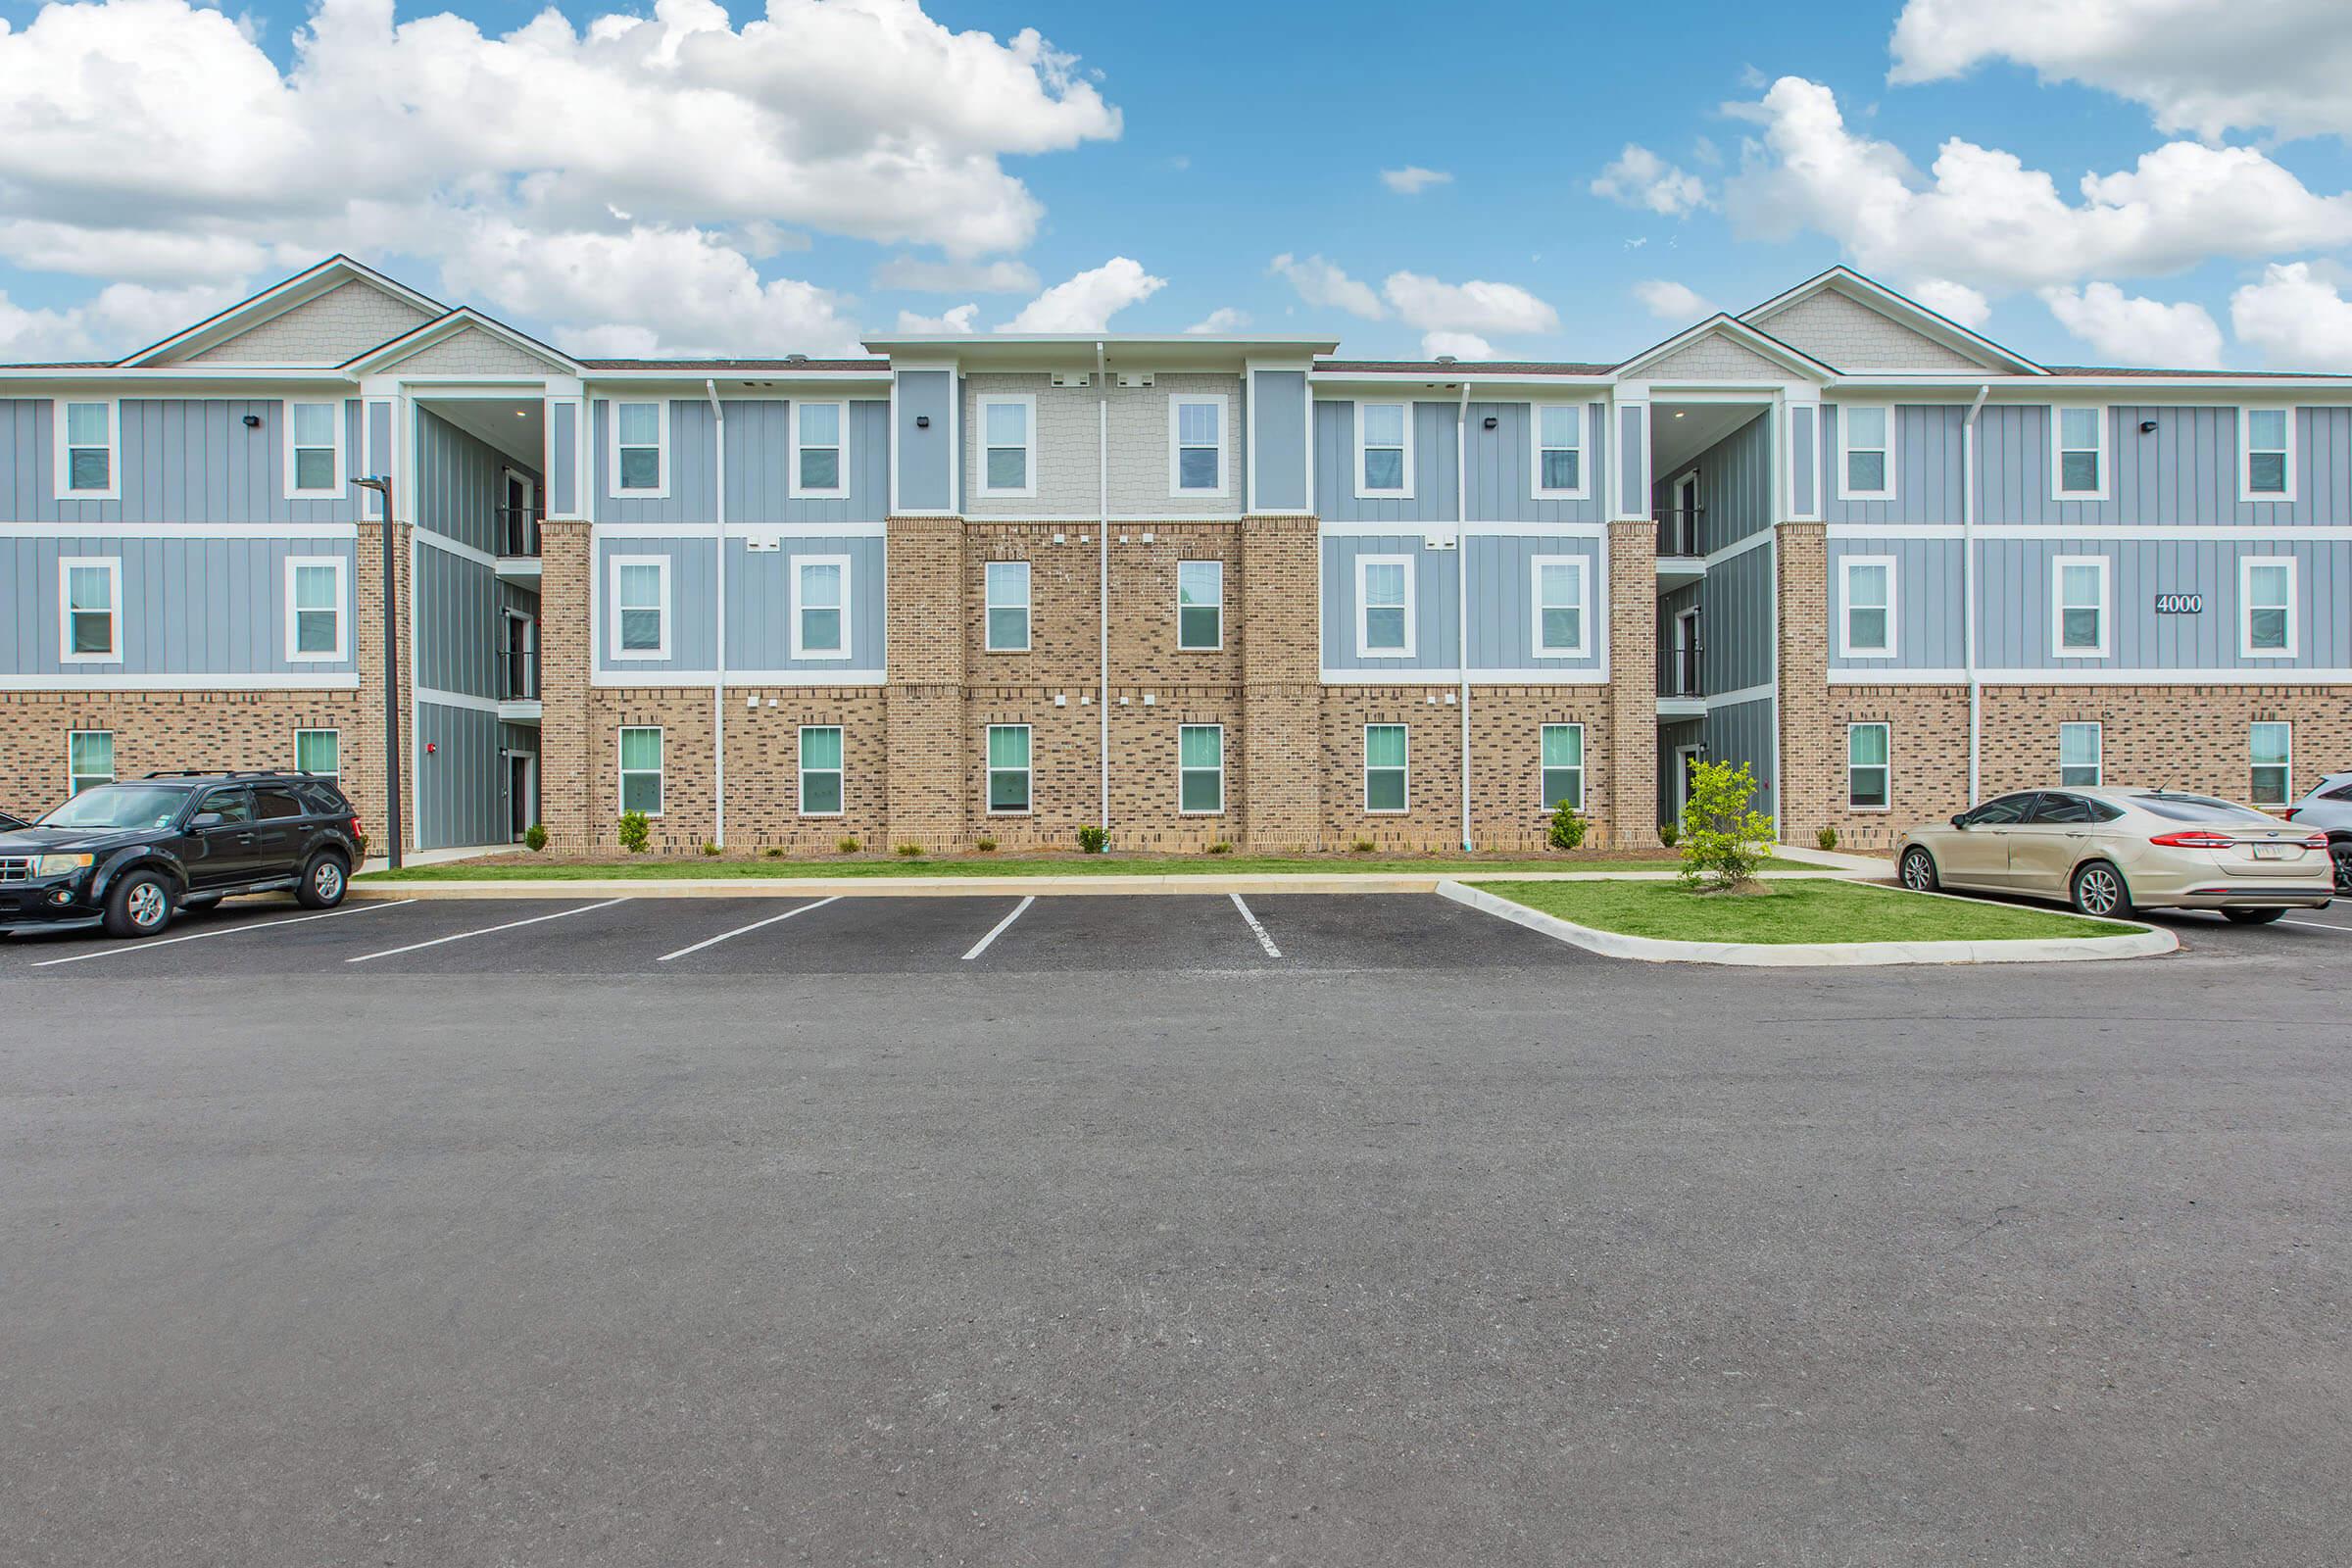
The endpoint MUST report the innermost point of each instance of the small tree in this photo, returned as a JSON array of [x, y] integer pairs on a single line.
[[635, 832], [534, 837], [1722, 842], [1567, 831]]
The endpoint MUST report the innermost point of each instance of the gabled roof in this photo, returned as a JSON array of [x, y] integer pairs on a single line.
[[1730, 328], [1905, 311], [276, 300], [447, 325]]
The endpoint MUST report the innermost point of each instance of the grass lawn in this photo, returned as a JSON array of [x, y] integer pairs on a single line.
[[506, 868], [1793, 911]]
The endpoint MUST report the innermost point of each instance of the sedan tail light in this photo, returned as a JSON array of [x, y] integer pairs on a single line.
[[2194, 838], [2287, 814], [2318, 841]]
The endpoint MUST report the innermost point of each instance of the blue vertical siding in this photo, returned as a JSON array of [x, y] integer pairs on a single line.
[[461, 629], [1735, 486], [693, 468], [1735, 621], [759, 605], [375, 454], [1278, 420], [460, 483], [2183, 471], [760, 466], [1744, 733], [1805, 458], [1927, 467], [461, 784], [563, 453], [1433, 498], [1502, 474], [1928, 631], [1633, 461], [1503, 602], [1433, 602], [182, 460], [693, 596], [926, 468]]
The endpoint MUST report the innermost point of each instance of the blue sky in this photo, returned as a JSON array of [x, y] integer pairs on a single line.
[[683, 188]]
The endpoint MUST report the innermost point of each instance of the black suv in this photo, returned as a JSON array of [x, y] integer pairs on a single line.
[[127, 855]]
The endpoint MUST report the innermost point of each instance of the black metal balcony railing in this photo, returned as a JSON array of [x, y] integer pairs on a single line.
[[518, 675], [1678, 531], [1680, 672], [518, 530]]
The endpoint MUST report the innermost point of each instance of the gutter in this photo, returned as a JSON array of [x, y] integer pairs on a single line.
[[718, 683], [1461, 587], [1103, 569], [1968, 588]]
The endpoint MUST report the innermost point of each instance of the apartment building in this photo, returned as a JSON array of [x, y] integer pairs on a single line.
[[1194, 588]]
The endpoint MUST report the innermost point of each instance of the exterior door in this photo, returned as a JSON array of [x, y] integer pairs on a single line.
[[1683, 531], [1685, 756], [1686, 655], [521, 680], [522, 789]]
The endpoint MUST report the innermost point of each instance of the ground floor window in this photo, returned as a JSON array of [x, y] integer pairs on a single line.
[[641, 770], [1385, 749], [2079, 754], [319, 751], [1563, 765], [820, 771], [89, 758], [1007, 769], [1200, 769], [1866, 767], [2272, 748]]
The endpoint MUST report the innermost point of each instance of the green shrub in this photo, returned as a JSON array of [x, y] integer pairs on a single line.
[[1668, 832], [774, 852], [1361, 846], [635, 832], [709, 846], [985, 845], [1093, 838], [910, 851], [1722, 842], [1827, 838], [1567, 831], [1220, 848], [847, 846], [534, 837]]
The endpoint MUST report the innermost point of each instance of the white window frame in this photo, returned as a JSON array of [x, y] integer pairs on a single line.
[[1389, 810], [1847, 648], [2059, 449], [1845, 433], [989, 772], [800, 759], [1182, 646], [2098, 754], [1363, 618], [1536, 448], [1406, 490], [613, 634], [1888, 767], [614, 487], [621, 772], [1543, 800], [74, 784], [2058, 607], [338, 774], [2246, 450], [66, 566], [799, 649], [840, 449], [1181, 808], [2286, 788], [1027, 403], [342, 608], [2246, 607], [1583, 646], [1177, 403], [337, 415], [989, 606], [63, 469]]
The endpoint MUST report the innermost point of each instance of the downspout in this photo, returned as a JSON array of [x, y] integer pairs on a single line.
[[1103, 569], [1968, 585], [1461, 587], [718, 683]]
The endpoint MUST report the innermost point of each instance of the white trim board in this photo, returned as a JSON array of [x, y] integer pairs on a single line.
[[1453, 677], [180, 683], [2276, 675], [2281, 532], [339, 532], [781, 678]]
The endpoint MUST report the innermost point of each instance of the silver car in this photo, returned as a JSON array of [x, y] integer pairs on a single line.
[[2328, 807], [2108, 850]]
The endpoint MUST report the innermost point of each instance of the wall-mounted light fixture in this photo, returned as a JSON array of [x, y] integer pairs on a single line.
[[922, 421], [1488, 423], [253, 421], [2147, 427]]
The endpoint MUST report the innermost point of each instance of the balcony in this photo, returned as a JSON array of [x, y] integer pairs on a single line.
[[1682, 683], [519, 685], [1679, 559], [518, 543]]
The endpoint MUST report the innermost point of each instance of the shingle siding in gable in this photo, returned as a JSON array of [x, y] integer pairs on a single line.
[[333, 327], [473, 351], [1714, 358], [1845, 332]]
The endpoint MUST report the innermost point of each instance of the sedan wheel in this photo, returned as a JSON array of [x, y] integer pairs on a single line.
[[2099, 890], [1918, 870]]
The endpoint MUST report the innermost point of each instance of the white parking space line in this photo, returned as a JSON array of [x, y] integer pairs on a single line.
[[2320, 925], [225, 931], [483, 931], [997, 930], [713, 941], [1264, 941]]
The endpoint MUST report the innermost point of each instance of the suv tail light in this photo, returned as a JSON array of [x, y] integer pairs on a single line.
[[356, 833], [2195, 838]]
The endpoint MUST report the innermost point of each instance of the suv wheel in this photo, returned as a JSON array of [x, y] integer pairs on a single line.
[[1918, 870], [2099, 890], [138, 906], [2341, 852], [323, 881]]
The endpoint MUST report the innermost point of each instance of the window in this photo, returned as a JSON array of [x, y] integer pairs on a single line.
[[1196, 445], [1384, 607], [1008, 606], [2273, 749], [1200, 769], [90, 600], [641, 449], [319, 751], [2079, 606], [821, 606], [1866, 767], [1199, 605], [315, 608], [274, 803], [2266, 436], [640, 606], [820, 771], [641, 770], [1385, 749], [1384, 454], [1866, 607], [1009, 446], [2078, 456], [1559, 610], [1007, 769], [86, 468], [2266, 592], [2079, 754], [1563, 747], [2063, 810], [819, 449], [313, 448], [1999, 813], [1866, 461], [89, 758], [1559, 449]]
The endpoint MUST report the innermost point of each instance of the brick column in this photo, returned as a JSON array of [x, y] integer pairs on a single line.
[[928, 786], [363, 744], [1806, 797], [1633, 781], [567, 727], [1282, 718]]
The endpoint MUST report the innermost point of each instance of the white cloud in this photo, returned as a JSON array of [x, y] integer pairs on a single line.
[[1473, 307], [1086, 301], [1955, 301], [920, 276], [1641, 179], [1319, 282], [121, 319], [955, 318], [1983, 219], [2297, 319], [1459, 345], [1670, 300], [2130, 330], [2204, 66], [1224, 318], [1412, 180]]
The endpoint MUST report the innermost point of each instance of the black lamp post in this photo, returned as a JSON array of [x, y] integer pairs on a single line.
[[382, 484]]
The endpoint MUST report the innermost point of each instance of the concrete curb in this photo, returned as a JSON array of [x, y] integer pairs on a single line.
[[2147, 942]]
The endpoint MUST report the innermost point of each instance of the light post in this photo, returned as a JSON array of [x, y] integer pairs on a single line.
[[382, 484]]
